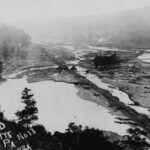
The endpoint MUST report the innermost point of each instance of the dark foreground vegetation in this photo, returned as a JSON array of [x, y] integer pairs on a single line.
[[79, 138], [21, 134], [74, 138]]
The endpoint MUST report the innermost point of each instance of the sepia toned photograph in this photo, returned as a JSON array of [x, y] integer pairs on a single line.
[[74, 74]]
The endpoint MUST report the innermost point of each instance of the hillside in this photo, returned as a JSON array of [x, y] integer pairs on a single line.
[[12, 40], [124, 29]]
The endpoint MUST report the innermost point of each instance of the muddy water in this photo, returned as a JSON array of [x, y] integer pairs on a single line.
[[58, 105]]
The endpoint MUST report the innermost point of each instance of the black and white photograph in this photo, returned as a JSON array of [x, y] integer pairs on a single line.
[[74, 74]]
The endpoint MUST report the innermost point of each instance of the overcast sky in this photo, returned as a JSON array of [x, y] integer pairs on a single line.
[[17, 10]]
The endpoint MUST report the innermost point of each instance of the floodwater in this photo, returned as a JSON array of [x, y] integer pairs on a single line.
[[58, 105]]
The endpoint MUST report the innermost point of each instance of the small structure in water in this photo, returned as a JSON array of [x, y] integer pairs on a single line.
[[106, 62], [73, 68], [62, 67]]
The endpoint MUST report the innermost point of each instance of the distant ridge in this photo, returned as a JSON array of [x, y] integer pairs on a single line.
[[122, 29]]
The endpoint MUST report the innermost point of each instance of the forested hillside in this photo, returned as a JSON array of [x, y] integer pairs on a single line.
[[124, 29], [11, 41]]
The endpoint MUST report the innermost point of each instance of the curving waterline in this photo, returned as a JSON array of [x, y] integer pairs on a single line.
[[122, 96], [13, 75], [58, 105]]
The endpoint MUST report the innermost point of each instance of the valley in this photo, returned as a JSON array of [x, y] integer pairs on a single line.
[[108, 93]]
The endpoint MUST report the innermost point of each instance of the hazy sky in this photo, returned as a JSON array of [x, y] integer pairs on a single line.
[[15, 10]]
